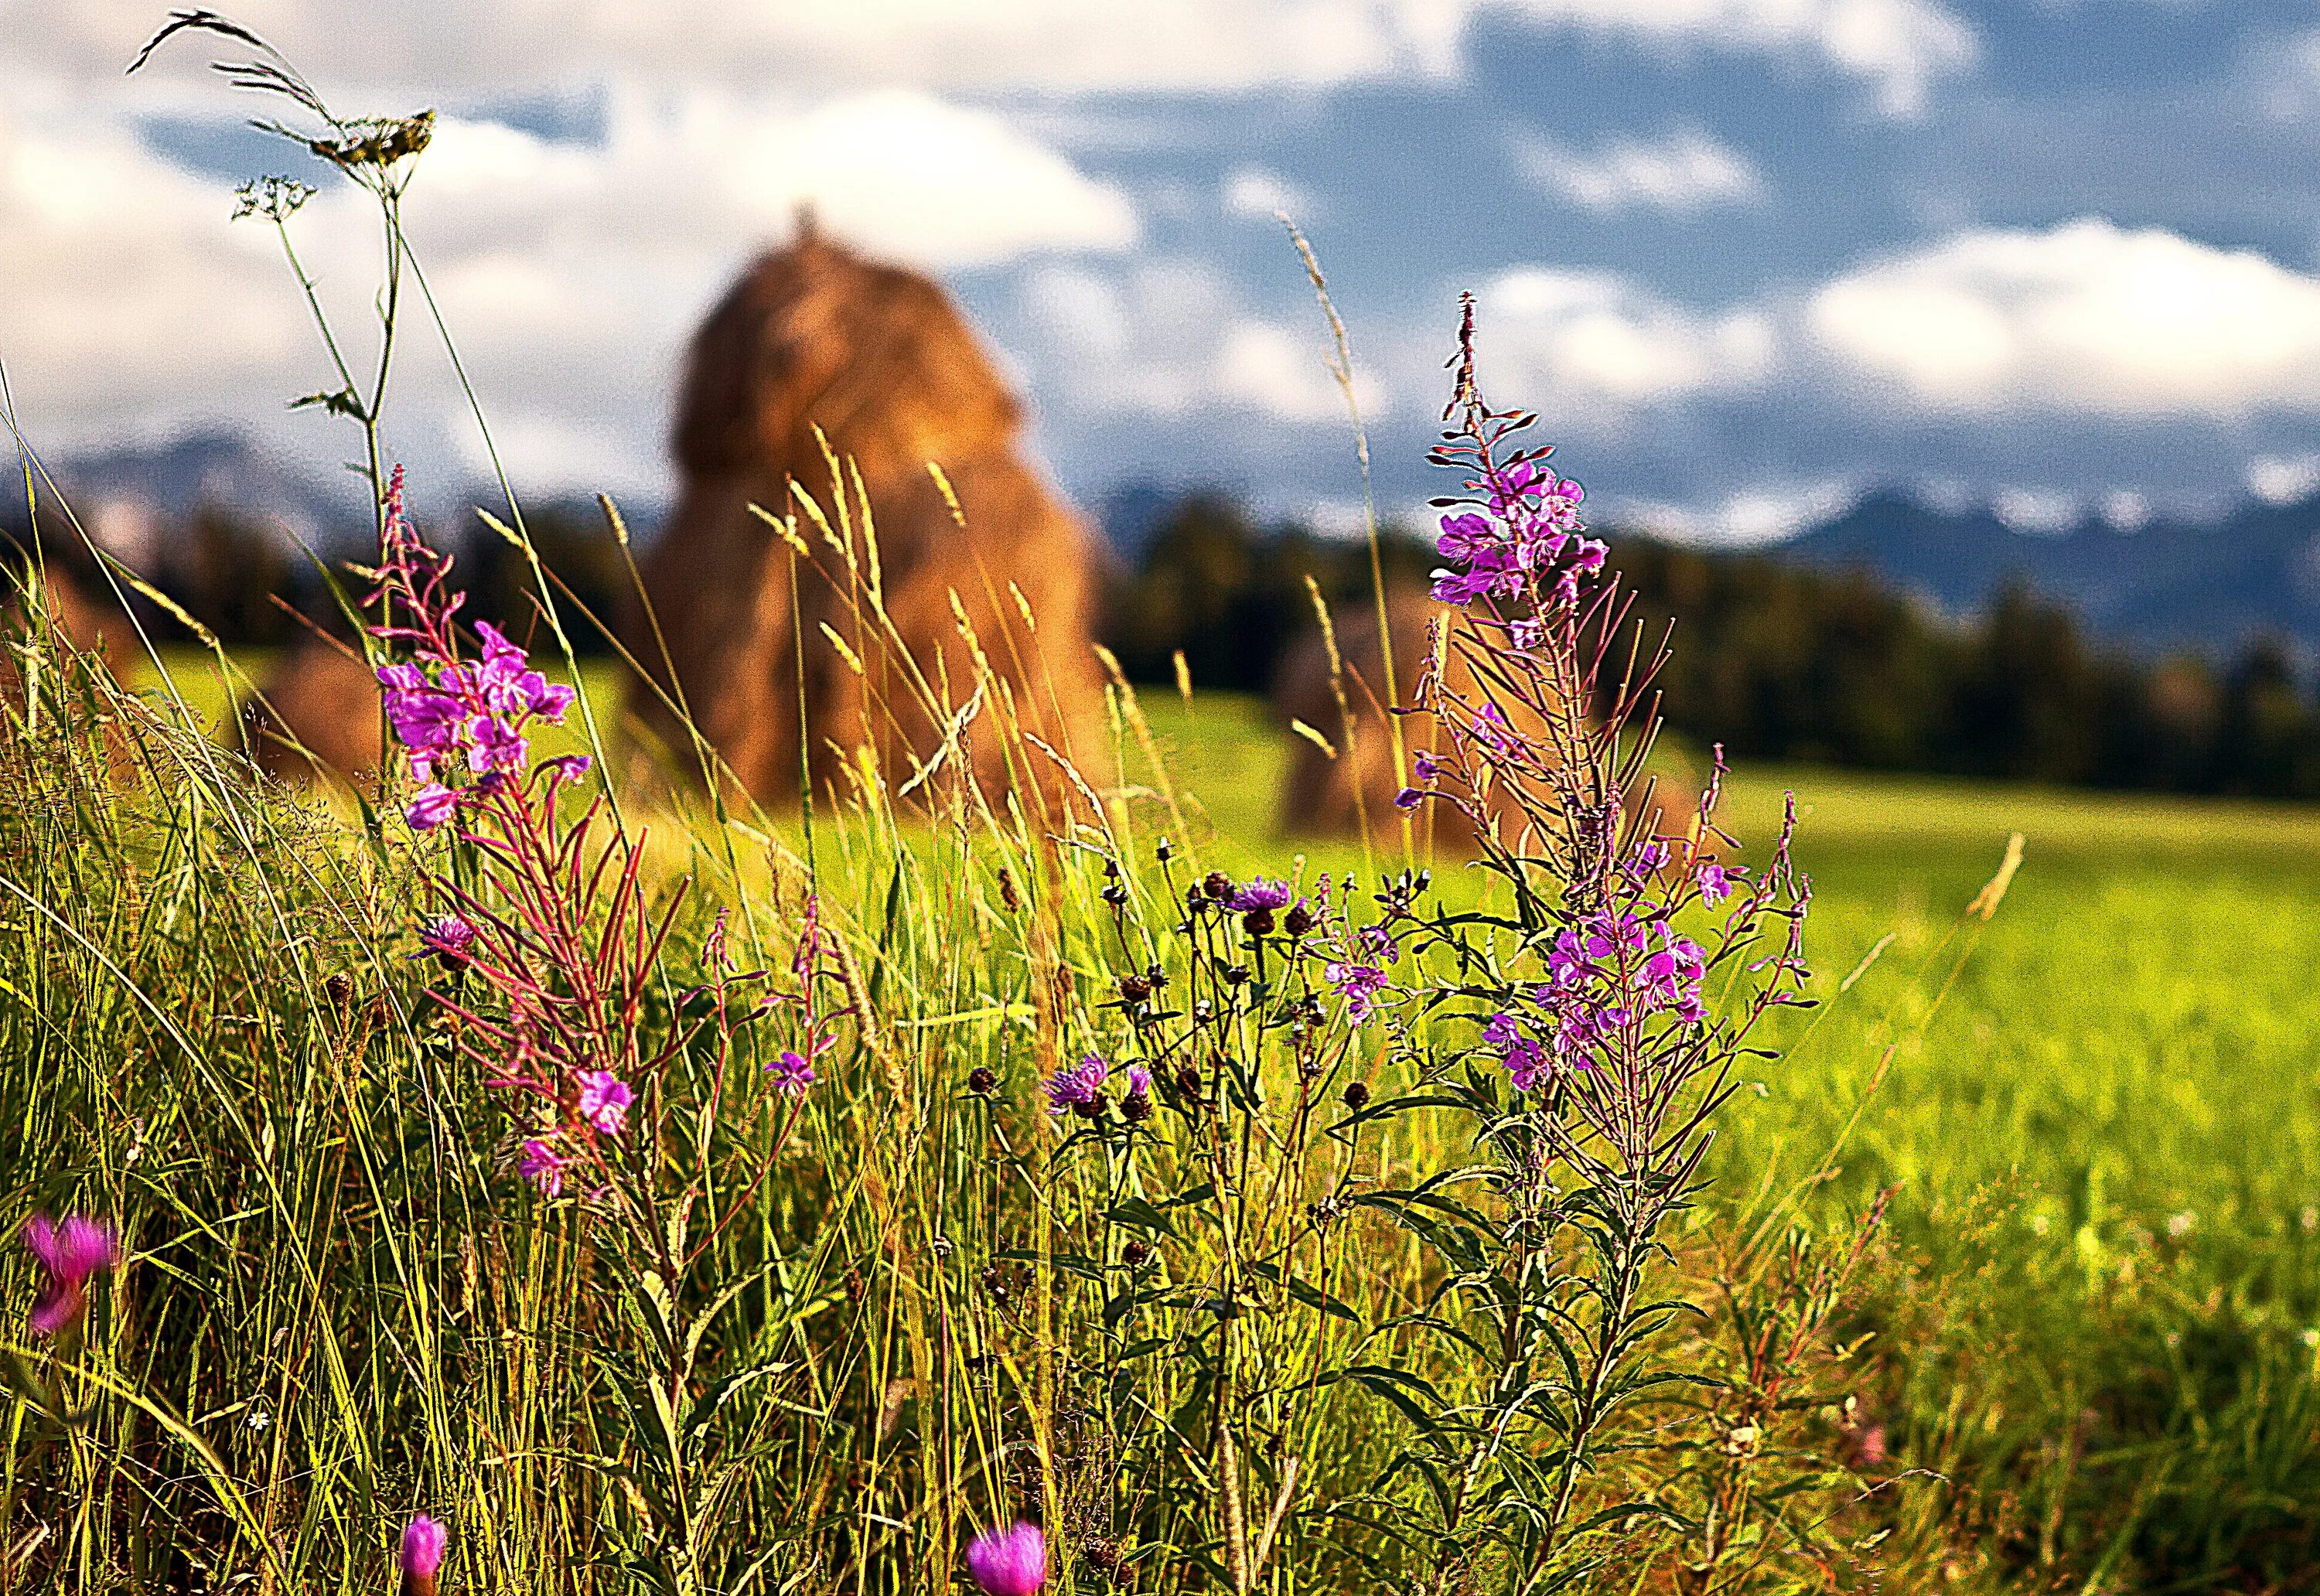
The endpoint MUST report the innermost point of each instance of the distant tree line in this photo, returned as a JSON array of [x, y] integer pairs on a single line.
[[1783, 662], [253, 588], [1777, 661]]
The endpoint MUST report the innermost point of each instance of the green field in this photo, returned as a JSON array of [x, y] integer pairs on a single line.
[[2105, 1143], [2087, 1333]]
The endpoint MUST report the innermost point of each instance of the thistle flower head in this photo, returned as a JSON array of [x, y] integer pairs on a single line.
[[1008, 1561], [1259, 893], [447, 937], [1077, 1086], [69, 1252]]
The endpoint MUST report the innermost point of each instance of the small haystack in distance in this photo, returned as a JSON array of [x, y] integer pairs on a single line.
[[46, 613], [317, 711], [1329, 795], [813, 336]]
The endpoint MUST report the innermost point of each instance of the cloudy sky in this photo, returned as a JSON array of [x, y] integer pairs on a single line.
[[1747, 257]]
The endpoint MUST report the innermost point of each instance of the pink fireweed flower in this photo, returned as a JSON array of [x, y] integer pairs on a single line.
[[543, 1167], [790, 1074], [430, 807], [1525, 1061], [421, 1554], [69, 1252], [1718, 882], [1077, 1086], [1008, 1561], [604, 1100], [1359, 985]]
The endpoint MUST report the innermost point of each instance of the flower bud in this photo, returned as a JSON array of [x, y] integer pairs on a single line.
[[1137, 1254], [1358, 1096], [1217, 884], [1298, 921], [982, 1080]]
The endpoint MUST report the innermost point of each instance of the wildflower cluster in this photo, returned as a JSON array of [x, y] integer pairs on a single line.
[[465, 721], [543, 930], [1574, 1023]]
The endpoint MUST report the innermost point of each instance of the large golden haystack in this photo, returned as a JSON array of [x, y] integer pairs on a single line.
[[814, 336], [1330, 795]]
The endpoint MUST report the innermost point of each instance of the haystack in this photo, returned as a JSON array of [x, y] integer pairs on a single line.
[[814, 336], [1322, 794], [82, 641], [319, 715]]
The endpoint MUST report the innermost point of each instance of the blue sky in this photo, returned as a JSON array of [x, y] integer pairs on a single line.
[[1747, 257]]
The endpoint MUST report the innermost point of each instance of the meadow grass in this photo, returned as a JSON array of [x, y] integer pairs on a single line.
[[2101, 1136], [2085, 1344]]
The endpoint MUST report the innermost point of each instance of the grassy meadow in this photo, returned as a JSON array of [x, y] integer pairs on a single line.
[[2078, 1353], [2101, 1132]]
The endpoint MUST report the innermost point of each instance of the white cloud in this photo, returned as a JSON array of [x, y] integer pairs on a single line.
[[1752, 516], [571, 272], [131, 302], [1901, 47], [1258, 195], [2088, 318], [2283, 479], [1059, 47], [1048, 46], [1686, 172], [2043, 510], [1171, 338], [1596, 344], [2127, 509]]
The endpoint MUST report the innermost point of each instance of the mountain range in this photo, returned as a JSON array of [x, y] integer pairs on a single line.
[[2166, 587]]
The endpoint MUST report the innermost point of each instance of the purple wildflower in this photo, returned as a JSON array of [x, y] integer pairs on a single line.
[[570, 767], [69, 1254], [1008, 1561], [1408, 798], [604, 1100], [543, 1167], [1379, 944], [1716, 883], [1464, 536], [792, 1075], [493, 746], [421, 1556], [1260, 893], [1525, 1060], [430, 806], [1139, 1081], [1076, 1086], [447, 937], [1359, 985], [423, 719]]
